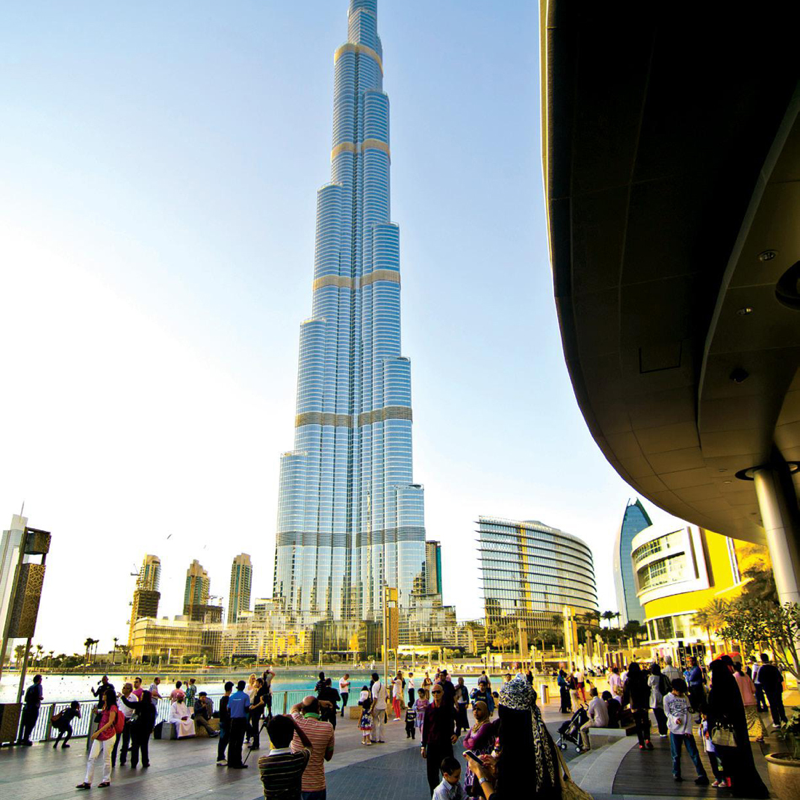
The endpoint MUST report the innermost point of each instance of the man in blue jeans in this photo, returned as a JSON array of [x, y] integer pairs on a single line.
[[238, 709]]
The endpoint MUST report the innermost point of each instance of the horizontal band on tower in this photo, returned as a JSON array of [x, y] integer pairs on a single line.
[[360, 147], [380, 275], [345, 282], [342, 281], [350, 47], [346, 420]]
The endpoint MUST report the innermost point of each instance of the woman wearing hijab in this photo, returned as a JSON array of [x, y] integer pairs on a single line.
[[528, 764], [725, 710], [637, 693]]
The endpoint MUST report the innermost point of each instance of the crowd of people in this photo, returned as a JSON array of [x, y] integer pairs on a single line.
[[503, 752], [722, 705]]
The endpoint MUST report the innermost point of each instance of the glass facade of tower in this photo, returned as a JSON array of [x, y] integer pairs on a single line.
[[634, 520], [530, 571], [241, 581], [350, 517]]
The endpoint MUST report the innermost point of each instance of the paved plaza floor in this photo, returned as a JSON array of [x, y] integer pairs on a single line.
[[181, 770]]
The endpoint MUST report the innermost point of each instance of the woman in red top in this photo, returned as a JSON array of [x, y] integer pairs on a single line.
[[103, 741]]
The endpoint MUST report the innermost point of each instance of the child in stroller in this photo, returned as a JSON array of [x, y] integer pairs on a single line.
[[570, 731]]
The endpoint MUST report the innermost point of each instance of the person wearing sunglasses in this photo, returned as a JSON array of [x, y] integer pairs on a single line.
[[440, 731]]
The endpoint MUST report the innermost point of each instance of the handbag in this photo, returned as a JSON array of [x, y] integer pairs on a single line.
[[723, 736], [569, 789]]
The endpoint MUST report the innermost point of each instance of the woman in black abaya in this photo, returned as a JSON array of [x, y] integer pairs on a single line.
[[725, 709], [528, 765]]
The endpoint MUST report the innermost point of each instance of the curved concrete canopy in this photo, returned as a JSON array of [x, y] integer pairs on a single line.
[[672, 175]]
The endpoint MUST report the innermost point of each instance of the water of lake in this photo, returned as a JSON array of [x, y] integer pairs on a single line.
[[63, 688]]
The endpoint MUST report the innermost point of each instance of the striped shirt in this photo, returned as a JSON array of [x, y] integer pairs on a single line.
[[322, 740], [281, 773]]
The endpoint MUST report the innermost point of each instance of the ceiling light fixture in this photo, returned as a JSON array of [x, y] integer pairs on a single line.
[[739, 375], [743, 312], [767, 255]]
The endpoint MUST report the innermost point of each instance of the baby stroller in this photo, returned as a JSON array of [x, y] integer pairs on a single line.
[[570, 731]]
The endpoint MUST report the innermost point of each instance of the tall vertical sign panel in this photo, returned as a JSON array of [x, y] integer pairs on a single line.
[[350, 517], [25, 607]]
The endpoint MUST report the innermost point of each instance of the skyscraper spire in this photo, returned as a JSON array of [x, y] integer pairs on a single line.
[[350, 517]]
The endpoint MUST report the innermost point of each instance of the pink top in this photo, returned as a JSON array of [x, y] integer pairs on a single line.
[[109, 732], [747, 688]]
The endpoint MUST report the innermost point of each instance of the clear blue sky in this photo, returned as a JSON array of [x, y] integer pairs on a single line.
[[158, 169]]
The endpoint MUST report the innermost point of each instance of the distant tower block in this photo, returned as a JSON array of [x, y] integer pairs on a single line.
[[241, 582]]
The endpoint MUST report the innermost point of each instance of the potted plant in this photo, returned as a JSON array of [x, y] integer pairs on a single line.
[[784, 768]]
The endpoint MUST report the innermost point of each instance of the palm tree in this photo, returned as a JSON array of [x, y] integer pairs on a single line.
[[712, 617], [114, 657], [19, 653], [608, 616], [39, 651], [88, 644], [50, 658], [702, 619], [617, 615]]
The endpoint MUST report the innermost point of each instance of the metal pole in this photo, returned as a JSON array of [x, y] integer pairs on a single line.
[[385, 640], [24, 671]]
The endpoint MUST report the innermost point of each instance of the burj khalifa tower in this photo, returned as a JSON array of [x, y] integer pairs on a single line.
[[350, 517]]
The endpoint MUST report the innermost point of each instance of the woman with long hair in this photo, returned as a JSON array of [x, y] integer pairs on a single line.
[[637, 693], [725, 713], [102, 740], [141, 727]]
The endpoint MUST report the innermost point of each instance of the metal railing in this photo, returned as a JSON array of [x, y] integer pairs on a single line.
[[43, 731]]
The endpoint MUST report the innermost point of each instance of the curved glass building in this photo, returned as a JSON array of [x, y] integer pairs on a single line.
[[531, 571], [634, 520], [350, 517]]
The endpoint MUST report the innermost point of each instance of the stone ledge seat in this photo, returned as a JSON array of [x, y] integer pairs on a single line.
[[602, 736], [202, 733]]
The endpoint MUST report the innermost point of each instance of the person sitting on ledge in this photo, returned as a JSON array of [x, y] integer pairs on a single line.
[[614, 709], [179, 717], [598, 717], [202, 714]]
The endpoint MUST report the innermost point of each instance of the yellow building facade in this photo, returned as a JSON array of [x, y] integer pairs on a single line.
[[679, 572]]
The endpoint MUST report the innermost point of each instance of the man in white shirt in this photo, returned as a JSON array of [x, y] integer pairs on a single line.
[[410, 689], [127, 712], [669, 670], [344, 689], [598, 717], [378, 709]]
